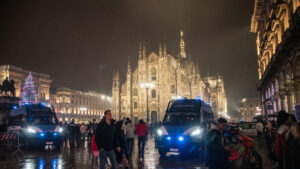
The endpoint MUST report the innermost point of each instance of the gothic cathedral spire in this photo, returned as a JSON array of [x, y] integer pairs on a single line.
[[144, 51], [165, 50], [182, 46], [140, 51], [160, 50]]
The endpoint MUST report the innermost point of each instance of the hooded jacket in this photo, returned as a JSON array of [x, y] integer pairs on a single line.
[[106, 136]]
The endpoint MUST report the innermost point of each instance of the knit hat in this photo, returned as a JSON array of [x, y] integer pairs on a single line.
[[282, 117]]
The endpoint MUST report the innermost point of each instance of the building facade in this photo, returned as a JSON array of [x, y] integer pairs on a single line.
[[78, 105], [170, 77], [42, 81], [277, 26], [250, 107]]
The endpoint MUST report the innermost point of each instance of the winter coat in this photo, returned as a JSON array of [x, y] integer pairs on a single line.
[[141, 129], [130, 129], [122, 139], [215, 152], [105, 136], [73, 130]]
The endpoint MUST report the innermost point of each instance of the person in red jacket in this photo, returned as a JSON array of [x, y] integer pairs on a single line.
[[142, 132]]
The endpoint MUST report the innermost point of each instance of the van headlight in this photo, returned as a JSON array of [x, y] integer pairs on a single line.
[[159, 132], [31, 130], [60, 130], [196, 132]]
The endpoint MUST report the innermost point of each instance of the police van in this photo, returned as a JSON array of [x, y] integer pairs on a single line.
[[37, 125], [184, 127]]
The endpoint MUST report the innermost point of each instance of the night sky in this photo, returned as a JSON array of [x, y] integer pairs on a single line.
[[79, 43]]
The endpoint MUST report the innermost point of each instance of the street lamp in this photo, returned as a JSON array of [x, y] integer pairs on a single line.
[[147, 86]]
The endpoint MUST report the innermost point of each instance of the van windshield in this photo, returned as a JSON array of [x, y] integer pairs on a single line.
[[42, 116], [181, 118]]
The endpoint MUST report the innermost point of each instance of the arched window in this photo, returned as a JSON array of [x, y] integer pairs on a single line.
[[153, 73], [135, 92], [135, 105], [173, 89], [153, 93]]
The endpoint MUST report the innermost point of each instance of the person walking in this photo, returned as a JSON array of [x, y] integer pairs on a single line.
[[216, 152], [142, 132], [130, 129], [72, 133], [107, 140], [83, 131], [122, 156]]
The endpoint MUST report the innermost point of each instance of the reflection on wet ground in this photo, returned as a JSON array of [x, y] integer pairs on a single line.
[[82, 158]]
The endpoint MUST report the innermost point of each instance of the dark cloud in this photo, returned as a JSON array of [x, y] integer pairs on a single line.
[[83, 41]]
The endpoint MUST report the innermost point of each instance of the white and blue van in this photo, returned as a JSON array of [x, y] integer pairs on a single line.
[[37, 125], [184, 127]]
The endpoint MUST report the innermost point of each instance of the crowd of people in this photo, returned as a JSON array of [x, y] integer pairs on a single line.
[[284, 143], [114, 140], [109, 139], [74, 134]]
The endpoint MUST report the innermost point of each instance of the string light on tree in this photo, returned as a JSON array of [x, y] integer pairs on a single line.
[[28, 94]]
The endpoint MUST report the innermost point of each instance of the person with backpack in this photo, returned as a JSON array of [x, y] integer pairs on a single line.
[[142, 132], [107, 140]]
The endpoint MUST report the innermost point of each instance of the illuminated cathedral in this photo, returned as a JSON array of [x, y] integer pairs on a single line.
[[171, 77]]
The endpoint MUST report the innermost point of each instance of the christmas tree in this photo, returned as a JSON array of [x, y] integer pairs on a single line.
[[28, 94]]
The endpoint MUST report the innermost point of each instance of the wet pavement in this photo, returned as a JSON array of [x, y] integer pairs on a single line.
[[82, 158]]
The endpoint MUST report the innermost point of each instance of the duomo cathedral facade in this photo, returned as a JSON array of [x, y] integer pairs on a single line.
[[171, 77]]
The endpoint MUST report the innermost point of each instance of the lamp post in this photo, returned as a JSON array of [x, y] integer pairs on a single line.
[[147, 86]]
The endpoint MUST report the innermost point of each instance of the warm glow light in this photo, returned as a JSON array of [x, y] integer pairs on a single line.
[[147, 85], [83, 109], [176, 97]]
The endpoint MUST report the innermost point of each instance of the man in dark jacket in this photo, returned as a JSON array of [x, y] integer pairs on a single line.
[[215, 151], [106, 140]]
